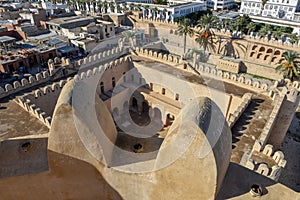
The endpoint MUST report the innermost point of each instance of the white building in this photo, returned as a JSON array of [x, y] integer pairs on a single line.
[[220, 4], [174, 10], [280, 9], [50, 7]]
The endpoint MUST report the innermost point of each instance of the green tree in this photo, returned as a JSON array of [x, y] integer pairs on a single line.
[[105, 6], [119, 8], [164, 11], [131, 6], [154, 11], [251, 27], [290, 65], [185, 29], [124, 5], [277, 34], [205, 36], [264, 31], [100, 6], [225, 23], [241, 23], [112, 7], [294, 39], [147, 7]]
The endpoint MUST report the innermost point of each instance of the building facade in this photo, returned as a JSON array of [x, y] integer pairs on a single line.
[[279, 9], [172, 11], [220, 4]]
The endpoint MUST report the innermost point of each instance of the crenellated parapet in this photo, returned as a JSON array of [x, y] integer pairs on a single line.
[[101, 57], [265, 134], [18, 86], [165, 58], [233, 117], [29, 102], [253, 37], [270, 162], [100, 69], [241, 80]]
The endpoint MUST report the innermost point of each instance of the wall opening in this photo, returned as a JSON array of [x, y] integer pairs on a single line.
[[102, 87]]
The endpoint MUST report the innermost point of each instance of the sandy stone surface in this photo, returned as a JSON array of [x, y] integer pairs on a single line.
[[290, 176], [16, 122]]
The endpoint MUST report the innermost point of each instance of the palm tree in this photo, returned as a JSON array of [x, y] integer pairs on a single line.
[[94, 2], [124, 5], [289, 66], [146, 7], [139, 7], [119, 8], [111, 5], [264, 31], [105, 6], [100, 6], [185, 29], [207, 21], [164, 11], [205, 36], [130, 37], [277, 34], [131, 6], [155, 10], [226, 23], [294, 39], [251, 27]]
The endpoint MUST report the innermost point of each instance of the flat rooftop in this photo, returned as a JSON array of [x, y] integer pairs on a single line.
[[16, 122], [67, 20], [4, 39]]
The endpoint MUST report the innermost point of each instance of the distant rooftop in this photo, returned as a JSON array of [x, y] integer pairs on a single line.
[[4, 39]]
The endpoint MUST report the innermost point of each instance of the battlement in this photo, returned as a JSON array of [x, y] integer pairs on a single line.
[[232, 119], [38, 79], [166, 58], [57, 62], [17, 86], [274, 162], [100, 69], [253, 37], [101, 57], [265, 134], [37, 102]]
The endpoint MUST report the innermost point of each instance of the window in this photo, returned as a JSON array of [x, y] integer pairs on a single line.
[[163, 91], [177, 97]]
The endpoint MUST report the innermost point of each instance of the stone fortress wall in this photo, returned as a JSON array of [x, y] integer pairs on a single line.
[[41, 102], [271, 169], [289, 97], [44, 77], [259, 56], [36, 103]]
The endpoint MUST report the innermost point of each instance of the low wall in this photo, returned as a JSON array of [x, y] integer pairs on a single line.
[[102, 57], [265, 134], [39, 102], [233, 117], [260, 167], [17, 86]]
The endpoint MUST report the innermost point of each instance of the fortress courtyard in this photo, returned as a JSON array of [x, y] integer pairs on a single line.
[[144, 123]]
